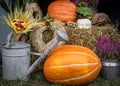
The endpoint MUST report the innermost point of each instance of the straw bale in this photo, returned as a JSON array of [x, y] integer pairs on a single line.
[[88, 37]]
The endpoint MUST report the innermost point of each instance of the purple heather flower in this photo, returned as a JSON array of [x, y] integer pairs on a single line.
[[93, 3], [74, 1], [86, 1], [97, 2], [100, 42], [108, 47]]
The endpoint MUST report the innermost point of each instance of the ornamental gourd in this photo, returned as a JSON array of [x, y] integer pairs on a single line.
[[63, 10], [84, 23], [71, 64]]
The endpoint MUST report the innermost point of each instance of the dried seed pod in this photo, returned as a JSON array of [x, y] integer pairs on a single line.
[[100, 19]]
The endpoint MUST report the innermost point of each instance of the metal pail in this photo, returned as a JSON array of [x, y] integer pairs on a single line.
[[15, 61], [110, 70]]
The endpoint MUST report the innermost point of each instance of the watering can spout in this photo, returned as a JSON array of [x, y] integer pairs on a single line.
[[61, 35]]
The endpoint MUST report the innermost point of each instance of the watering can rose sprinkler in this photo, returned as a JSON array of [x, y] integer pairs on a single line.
[[16, 58]]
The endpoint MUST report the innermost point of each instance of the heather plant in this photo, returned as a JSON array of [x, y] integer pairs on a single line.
[[92, 3], [108, 48]]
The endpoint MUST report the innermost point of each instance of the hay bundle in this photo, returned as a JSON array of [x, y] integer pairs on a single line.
[[34, 9], [88, 37], [41, 38]]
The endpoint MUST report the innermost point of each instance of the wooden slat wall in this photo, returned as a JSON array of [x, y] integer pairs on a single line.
[[4, 30]]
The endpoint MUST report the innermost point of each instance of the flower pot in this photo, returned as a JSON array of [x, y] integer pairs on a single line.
[[110, 70]]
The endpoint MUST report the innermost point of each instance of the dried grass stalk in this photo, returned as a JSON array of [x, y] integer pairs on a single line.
[[34, 9]]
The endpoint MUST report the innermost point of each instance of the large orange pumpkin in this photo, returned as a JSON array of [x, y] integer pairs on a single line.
[[71, 64], [63, 10]]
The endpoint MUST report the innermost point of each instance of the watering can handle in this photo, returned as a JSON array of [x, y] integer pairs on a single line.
[[8, 39], [61, 35]]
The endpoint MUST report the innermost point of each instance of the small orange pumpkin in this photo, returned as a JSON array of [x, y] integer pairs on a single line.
[[63, 10], [71, 64]]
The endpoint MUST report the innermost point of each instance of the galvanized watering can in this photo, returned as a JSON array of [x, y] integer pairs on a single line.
[[16, 58]]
